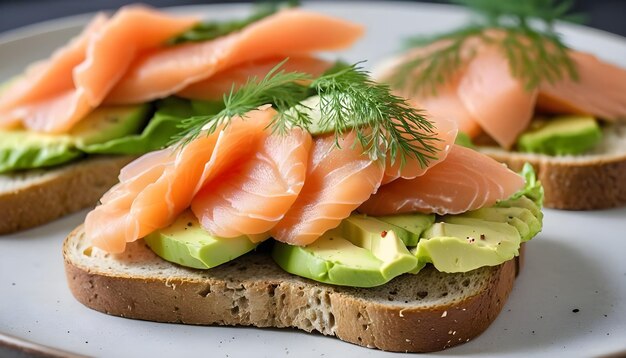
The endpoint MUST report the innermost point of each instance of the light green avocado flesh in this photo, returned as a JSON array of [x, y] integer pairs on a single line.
[[107, 130], [381, 240], [159, 130], [20, 149], [185, 242], [370, 228], [565, 135], [106, 123], [414, 224], [366, 251], [318, 125], [336, 260], [523, 202], [467, 245], [311, 106], [526, 223]]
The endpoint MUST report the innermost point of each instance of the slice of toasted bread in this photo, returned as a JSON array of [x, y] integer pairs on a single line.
[[426, 312], [34, 197], [583, 182]]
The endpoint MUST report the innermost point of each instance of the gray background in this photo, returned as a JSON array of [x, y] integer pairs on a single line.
[[609, 15]]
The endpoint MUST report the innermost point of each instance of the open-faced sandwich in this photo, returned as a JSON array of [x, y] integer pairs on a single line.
[[521, 95], [323, 203], [120, 89]]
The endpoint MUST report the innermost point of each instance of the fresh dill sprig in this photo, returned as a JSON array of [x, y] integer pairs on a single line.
[[283, 89], [386, 126], [210, 30], [524, 31]]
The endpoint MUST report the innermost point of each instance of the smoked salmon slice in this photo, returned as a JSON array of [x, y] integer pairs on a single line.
[[131, 31], [498, 101], [157, 187], [465, 180], [338, 181], [288, 33], [76, 78], [253, 196], [446, 103], [216, 86], [600, 90], [47, 80], [485, 96]]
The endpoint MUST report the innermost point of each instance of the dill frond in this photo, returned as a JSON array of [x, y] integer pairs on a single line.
[[524, 32], [386, 126]]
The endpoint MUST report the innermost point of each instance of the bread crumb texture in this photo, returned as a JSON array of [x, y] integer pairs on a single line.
[[412, 313], [35, 197], [582, 182]]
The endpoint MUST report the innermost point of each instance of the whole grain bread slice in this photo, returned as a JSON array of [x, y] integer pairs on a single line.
[[35, 197], [596, 180], [426, 312]]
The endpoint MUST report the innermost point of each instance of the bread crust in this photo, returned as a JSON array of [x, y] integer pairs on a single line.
[[277, 299], [574, 185], [35, 198]]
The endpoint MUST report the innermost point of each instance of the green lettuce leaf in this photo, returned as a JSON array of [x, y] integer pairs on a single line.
[[533, 188]]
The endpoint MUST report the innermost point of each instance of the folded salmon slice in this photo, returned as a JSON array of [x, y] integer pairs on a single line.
[[446, 103], [131, 31], [445, 131], [47, 78], [498, 101], [58, 93], [221, 83], [254, 195], [600, 90], [46, 81], [484, 95], [338, 181], [465, 180], [290, 32], [157, 187]]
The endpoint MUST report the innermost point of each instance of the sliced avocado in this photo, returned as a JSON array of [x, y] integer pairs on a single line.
[[563, 135], [414, 224], [358, 253], [311, 106], [20, 149], [521, 218], [107, 123], [186, 243], [464, 247], [331, 259], [522, 228], [523, 202], [161, 128], [155, 135], [368, 227], [318, 126], [382, 240]]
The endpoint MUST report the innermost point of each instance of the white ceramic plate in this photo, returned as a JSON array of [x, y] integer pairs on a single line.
[[577, 262]]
